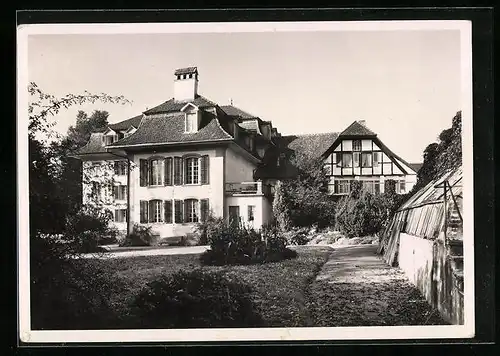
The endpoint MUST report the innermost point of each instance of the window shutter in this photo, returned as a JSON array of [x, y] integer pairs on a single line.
[[185, 170], [204, 209], [168, 171], [117, 166], [177, 170], [144, 211], [116, 192], [178, 211], [186, 213], [205, 169], [168, 211], [144, 172]]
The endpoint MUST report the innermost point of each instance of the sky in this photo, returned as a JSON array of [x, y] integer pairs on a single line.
[[405, 84]]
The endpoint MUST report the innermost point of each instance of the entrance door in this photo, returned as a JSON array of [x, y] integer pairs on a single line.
[[234, 214]]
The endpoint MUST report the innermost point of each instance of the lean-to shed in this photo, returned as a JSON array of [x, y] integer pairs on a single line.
[[425, 239]]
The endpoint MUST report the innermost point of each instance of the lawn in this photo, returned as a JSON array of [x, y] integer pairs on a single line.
[[280, 289]]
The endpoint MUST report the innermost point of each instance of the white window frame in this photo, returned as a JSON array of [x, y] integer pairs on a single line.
[[193, 210], [157, 178], [355, 148], [193, 170], [191, 122], [157, 212]]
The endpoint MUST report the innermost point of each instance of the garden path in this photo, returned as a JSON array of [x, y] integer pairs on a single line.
[[356, 287]]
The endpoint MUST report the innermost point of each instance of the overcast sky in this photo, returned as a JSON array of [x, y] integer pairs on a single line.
[[404, 84]]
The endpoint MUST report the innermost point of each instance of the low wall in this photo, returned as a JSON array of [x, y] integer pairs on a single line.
[[427, 265]]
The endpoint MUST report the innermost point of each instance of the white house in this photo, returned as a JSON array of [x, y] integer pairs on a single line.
[[174, 163]]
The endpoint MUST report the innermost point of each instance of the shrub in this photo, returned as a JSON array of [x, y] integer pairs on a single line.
[[196, 299], [360, 216], [66, 293], [88, 228], [140, 236], [237, 244]]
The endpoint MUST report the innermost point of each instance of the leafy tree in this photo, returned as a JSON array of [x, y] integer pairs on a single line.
[[66, 293]]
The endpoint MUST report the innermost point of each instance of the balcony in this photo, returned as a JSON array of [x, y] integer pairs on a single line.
[[248, 188]]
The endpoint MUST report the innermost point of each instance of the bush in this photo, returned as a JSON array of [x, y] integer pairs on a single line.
[[67, 293], [363, 216], [196, 299], [140, 236], [236, 244], [88, 228]]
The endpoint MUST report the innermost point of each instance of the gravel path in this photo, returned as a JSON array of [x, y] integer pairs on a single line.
[[356, 288]]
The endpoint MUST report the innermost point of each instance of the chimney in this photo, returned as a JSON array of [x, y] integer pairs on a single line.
[[186, 84], [362, 122]]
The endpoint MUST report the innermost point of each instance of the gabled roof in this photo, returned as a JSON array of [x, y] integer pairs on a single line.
[[357, 129], [169, 129], [234, 111], [187, 70], [175, 106], [310, 145], [415, 166], [126, 124], [94, 145]]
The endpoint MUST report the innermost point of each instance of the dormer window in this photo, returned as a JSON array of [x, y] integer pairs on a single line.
[[191, 122]]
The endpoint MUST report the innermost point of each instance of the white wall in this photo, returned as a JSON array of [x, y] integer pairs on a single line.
[[214, 191], [185, 89], [238, 169], [262, 208]]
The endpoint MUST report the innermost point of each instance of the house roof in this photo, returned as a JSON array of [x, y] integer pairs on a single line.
[[172, 105], [357, 128], [170, 129], [234, 111], [94, 145], [251, 125], [415, 166], [310, 145], [187, 70], [125, 125]]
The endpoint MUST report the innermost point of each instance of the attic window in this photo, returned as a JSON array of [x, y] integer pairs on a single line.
[[191, 122], [178, 77], [190, 75], [184, 76]]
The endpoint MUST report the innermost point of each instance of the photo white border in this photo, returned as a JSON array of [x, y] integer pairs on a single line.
[[247, 334]]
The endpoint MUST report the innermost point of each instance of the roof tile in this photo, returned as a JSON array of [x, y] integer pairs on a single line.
[[174, 106]]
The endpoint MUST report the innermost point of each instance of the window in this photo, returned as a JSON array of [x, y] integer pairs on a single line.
[[356, 145], [120, 168], [338, 159], [251, 212], [155, 213], [96, 191], [190, 75], [356, 159], [328, 169], [157, 172], [120, 192], [346, 160], [372, 186], [191, 122], [108, 140], [376, 159], [192, 170], [191, 206], [178, 77], [366, 160], [402, 186], [342, 186], [121, 215]]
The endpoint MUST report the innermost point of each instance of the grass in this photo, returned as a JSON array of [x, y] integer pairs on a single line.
[[279, 288]]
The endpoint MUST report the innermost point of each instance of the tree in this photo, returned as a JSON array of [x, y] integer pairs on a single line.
[[441, 156]]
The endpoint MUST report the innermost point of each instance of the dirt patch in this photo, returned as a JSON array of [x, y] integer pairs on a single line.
[[356, 288]]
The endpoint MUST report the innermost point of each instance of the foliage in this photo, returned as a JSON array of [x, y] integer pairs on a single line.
[[141, 235], [88, 228], [237, 244], [361, 216], [442, 156], [196, 298], [66, 291], [304, 200]]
